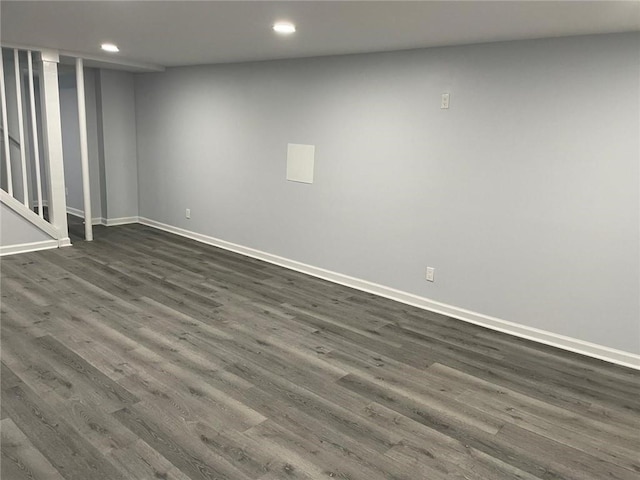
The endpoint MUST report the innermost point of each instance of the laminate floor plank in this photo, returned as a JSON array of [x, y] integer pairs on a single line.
[[58, 354], [523, 380], [339, 455], [496, 444], [20, 459], [63, 446], [553, 363], [183, 377], [332, 328], [87, 418], [30, 323], [621, 455], [140, 461], [568, 363], [47, 362], [322, 455], [503, 401], [233, 341], [445, 454], [8, 379], [440, 326], [568, 461], [177, 441], [337, 314], [584, 388], [18, 292], [22, 357], [143, 355]]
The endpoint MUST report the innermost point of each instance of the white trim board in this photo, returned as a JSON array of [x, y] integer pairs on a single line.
[[108, 222], [64, 242], [111, 222], [530, 333], [28, 247], [76, 212]]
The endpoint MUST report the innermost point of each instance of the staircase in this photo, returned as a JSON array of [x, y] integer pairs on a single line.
[[31, 162]]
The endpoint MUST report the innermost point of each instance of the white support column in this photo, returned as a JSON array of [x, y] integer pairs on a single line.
[[34, 131], [23, 157], [84, 151], [5, 127], [52, 134]]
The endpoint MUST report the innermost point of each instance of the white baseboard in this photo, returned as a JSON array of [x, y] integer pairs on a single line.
[[76, 212], [110, 222], [79, 213], [601, 352], [28, 247], [64, 242]]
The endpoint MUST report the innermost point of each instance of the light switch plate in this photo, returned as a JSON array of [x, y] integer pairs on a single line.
[[431, 272], [444, 101]]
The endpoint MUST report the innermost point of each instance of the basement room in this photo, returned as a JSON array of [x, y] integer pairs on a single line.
[[352, 240]]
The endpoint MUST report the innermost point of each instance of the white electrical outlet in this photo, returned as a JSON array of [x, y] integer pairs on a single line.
[[187, 213], [431, 274], [444, 101]]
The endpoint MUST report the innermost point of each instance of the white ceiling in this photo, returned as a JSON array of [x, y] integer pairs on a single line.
[[173, 33]]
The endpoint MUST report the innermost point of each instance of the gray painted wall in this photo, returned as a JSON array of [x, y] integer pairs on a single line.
[[15, 230], [116, 143], [524, 195], [71, 146], [71, 140]]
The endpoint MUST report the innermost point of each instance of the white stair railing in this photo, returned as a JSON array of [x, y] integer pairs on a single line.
[[5, 129], [34, 133], [21, 114], [23, 156]]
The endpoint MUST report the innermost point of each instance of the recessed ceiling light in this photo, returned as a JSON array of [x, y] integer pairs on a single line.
[[109, 47], [284, 27]]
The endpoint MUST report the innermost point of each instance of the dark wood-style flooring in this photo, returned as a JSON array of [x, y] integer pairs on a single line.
[[143, 355]]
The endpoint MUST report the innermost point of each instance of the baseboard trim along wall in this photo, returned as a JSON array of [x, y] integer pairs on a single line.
[[80, 214], [109, 222], [30, 247], [541, 336], [64, 242], [112, 222]]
